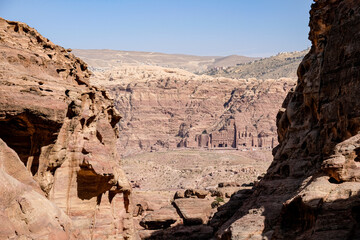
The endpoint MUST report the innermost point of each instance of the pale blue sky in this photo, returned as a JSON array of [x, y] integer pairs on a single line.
[[199, 27]]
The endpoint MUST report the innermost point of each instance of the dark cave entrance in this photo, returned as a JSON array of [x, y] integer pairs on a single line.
[[26, 134]]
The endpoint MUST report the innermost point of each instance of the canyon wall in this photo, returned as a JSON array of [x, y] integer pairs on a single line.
[[165, 108], [60, 172], [311, 190]]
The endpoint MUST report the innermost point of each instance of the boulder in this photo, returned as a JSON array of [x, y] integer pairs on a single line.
[[188, 193], [179, 194], [194, 211], [160, 219]]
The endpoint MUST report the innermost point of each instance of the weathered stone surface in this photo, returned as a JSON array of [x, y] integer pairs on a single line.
[[12, 165], [167, 108], [24, 209], [180, 232], [152, 200], [227, 210], [179, 194], [194, 211], [64, 132], [311, 190], [160, 219], [191, 193]]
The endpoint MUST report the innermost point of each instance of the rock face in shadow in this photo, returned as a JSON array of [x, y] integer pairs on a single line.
[[311, 190], [64, 132], [24, 210]]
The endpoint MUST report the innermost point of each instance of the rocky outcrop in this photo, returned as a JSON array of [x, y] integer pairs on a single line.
[[160, 219], [168, 108], [185, 213], [281, 65], [24, 210], [311, 190], [247, 120], [194, 211], [64, 131]]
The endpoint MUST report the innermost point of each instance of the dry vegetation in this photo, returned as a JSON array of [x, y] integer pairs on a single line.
[[281, 65]]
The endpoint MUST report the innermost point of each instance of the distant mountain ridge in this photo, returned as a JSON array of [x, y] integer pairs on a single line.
[[104, 59], [274, 67]]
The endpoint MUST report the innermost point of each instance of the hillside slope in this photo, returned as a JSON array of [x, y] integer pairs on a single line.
[[281, 65], [104, 59]]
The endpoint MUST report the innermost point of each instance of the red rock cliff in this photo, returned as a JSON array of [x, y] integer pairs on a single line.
[[64, 131], [167, 108], [311, 190]]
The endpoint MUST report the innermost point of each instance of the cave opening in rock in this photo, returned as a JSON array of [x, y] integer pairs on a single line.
[[335, 181], [26, 134], [297, 216], [90, 184], [357, 152]]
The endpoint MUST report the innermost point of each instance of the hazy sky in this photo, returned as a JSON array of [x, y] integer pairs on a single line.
[[199, 27]]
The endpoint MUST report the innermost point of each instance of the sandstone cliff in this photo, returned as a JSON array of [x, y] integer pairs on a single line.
[[311, 190], [167, 108], [59, 168]]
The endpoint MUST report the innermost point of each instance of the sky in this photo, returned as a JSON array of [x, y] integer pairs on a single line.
[[256, 28]]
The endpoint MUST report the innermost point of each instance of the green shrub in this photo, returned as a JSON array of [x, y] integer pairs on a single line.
[[217, 201]]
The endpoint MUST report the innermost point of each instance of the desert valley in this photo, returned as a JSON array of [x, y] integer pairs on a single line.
[[189, 131], [110, 144]]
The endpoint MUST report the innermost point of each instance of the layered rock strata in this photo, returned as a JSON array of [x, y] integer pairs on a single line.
[[311, 190], [24, 209], [168, 108], [64, 132]]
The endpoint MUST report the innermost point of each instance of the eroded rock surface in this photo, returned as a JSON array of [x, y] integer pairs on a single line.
[[24, 209], [166, 108], [160, 219], [64, 131], [311, 190], [194, 211], [184, 213]]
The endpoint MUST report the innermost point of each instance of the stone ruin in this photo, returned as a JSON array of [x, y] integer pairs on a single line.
[[230, 137]]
